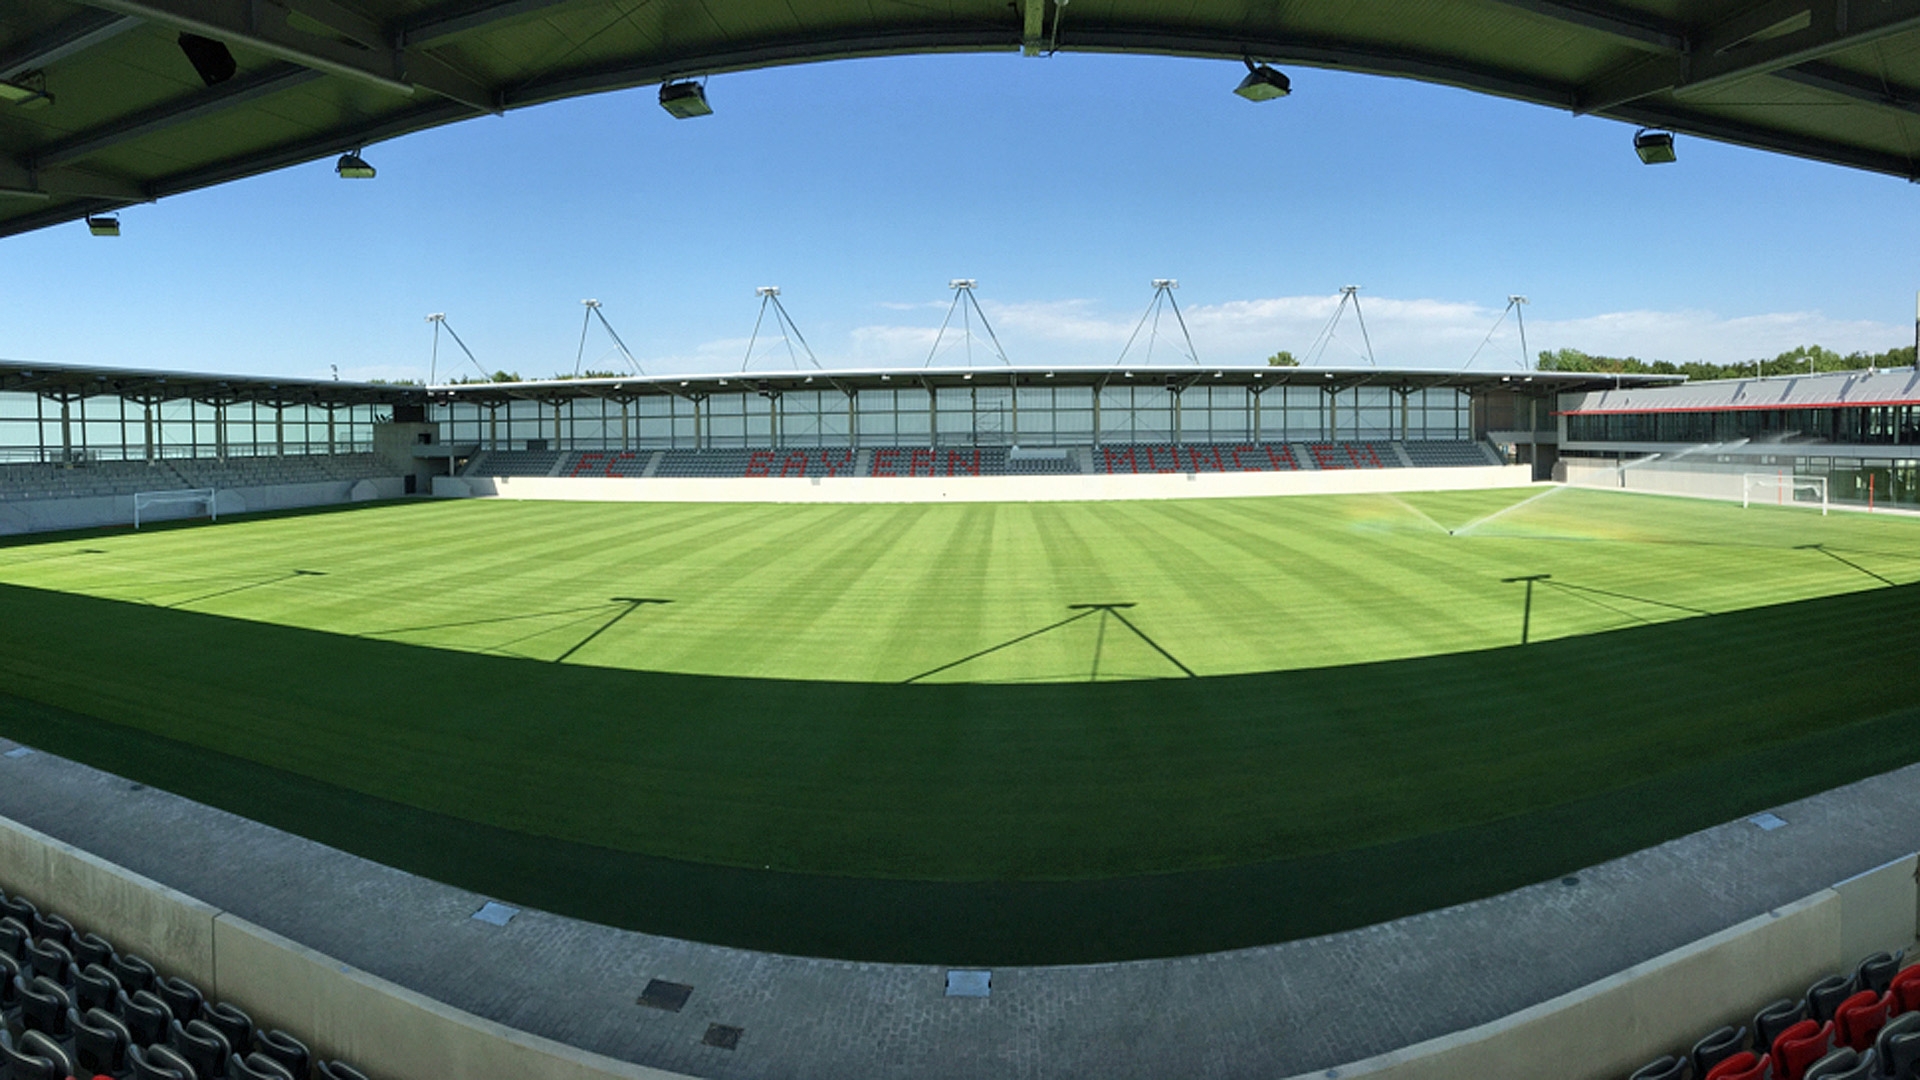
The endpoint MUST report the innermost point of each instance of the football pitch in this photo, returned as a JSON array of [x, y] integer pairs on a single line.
[[985, 733]]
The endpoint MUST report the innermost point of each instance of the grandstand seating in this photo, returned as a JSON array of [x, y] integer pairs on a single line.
[[517, 462], [34, 481], [1846, 1027], [944, 461], [116, 1017]]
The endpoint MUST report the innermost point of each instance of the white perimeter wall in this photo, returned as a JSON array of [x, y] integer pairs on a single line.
[[47, 515], [1070, 488]]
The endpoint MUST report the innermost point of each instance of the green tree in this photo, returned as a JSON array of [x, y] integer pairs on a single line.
[[1283, 358]]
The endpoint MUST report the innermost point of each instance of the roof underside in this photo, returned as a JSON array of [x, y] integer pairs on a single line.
[[130, 120], [1827, 390]]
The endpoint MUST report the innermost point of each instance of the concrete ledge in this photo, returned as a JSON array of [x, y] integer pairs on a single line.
[[384, 1029], [1067, 488], [169, 928], [95, 511], [1608, 1028]]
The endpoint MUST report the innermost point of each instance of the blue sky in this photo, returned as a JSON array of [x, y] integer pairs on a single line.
[[1062, 184]]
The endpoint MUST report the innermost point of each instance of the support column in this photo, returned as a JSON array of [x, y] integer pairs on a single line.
[[280, 431], [1096, 414], [1015, 398], [220, 432], [330, 412], [853, 419], [147, 407], [66, 432], [933, 417]]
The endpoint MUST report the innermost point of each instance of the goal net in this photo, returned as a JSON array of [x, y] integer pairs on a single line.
[[1780, 489], [147, 500]]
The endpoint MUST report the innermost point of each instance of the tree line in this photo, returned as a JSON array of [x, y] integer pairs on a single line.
[[1795, 361]]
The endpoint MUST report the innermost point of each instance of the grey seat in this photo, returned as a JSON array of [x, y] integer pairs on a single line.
[[1903, 1055], [1843, 1064], [20, 908], [181, 996], [100, 1043], [257, 1067], [43, 1006], [1876, 972], [146, 1016], [1666, 1068], [90, 949], [14, 938], [133, 972], [50, 958], [1777, 1017], [159, 1063], [1716, 1048], [1904, 1024], [230, 1021], [51, 927], [1826, 995], [203, 1046], [285, 1049], [36, 1058], [95, 988], [337, 1070]]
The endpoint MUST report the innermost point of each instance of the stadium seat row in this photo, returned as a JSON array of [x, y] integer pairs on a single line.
[[37, 481], [1115, 458], [1860, 1026], [73, 1006]]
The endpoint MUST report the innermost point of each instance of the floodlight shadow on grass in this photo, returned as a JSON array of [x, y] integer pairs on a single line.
[[1082, 611], [633, 604], [288, 576], [1844, 561]]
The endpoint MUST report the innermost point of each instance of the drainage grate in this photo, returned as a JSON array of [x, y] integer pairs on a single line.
[[724, 1036], [495, 914], [670, 996], [969, 983]]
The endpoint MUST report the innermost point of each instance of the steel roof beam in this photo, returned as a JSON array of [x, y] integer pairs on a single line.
[[236, 91], [273, 29], [20, 180], [1624, 24], [1852, 84], [454, 19], [1759, 41], [77, 34]]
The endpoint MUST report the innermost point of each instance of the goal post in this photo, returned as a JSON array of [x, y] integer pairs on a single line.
[[1782, 489], [145, 500]]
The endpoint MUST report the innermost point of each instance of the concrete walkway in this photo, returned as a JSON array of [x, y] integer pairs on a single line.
[[1302, 1007]]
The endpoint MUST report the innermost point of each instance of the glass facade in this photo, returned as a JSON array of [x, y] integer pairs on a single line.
[[34, 428], [1895, 425], [982, 415]]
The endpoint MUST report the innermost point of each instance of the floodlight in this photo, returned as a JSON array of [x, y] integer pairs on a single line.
[[968, 377], [590, 303], [103, 224], [684, 100], [1654, 147], [27, 90], [962, 283], [767, 290], [1263, 84], [353, 167], [211, 60], [1165, 283]]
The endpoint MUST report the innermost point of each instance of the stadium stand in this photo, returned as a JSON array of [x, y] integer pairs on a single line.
[[1859, 1026], [34, 481], [1112, 458], [74, 1006], [520, 462]]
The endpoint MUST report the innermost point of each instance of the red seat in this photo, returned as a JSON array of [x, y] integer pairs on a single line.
[[1860, 1018], [1800, 1046], [1906, 990], [1745, 1065]]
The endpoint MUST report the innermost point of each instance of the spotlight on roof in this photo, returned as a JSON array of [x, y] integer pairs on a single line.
[[353, 167], [767, 290], [1263, 84], [1654, 147], [103, 224], [27, 90], [210, 59], [684, 100]]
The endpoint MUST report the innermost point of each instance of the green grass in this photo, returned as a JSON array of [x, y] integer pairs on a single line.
[[453, 688]]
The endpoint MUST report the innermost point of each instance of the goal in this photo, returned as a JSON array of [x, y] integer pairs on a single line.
[[1781, 489], [145, 500]]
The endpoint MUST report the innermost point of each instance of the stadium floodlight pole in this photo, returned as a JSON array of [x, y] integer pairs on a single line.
[[1512, 308], [439, 319], [1518, 304], [593, 309], [1320, 343], [963, 299], [1526, 612], [1162, 297], [789, 332]]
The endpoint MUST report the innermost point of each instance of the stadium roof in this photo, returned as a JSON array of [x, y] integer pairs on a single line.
[[101, 105], [71, 381], [1182, 376], [68, 380], [1828, 390]]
